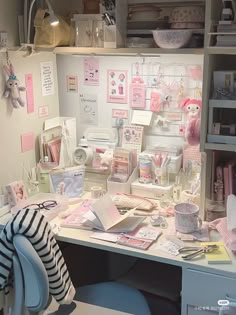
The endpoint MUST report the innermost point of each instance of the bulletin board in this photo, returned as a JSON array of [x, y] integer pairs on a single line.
[[176, 76]]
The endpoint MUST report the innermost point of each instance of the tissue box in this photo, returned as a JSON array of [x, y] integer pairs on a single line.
[[150, 190]]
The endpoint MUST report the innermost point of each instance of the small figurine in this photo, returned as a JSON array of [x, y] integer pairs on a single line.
[[193, 109]]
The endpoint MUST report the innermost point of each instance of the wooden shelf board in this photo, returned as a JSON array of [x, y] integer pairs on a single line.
[[222, 103], [125, 51], [220, 147], [221, 50]]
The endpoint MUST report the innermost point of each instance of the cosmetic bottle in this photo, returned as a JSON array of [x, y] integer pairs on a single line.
[[177, 188]]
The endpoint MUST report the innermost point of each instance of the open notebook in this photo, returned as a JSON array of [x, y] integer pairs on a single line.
[[104, 216]]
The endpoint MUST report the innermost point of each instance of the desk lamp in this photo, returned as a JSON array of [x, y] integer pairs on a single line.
[[52, 18]]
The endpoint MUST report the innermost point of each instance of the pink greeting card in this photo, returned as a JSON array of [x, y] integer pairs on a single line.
[[132, 137], [117, 86], [137, 93]]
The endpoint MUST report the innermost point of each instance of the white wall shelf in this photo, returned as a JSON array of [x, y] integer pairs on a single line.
[[211, 138], [125, 51], [221, 50], [220, 147], [222, 103]]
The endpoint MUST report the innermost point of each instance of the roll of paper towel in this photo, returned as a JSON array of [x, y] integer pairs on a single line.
[[231, 212]]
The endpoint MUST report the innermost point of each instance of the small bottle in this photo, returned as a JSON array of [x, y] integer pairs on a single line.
[[177, 188]]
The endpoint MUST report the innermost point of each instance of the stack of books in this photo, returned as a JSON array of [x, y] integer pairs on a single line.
[[226, 35]]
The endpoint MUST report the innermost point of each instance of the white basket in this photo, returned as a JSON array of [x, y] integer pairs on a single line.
[[114, 187]]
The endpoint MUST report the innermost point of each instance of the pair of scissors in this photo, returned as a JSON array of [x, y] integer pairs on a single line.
[[196, 251]]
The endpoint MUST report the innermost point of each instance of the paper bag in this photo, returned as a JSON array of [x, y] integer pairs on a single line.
[[47, 35]]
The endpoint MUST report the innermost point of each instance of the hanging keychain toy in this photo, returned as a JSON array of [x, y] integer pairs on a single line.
[[12, 90]]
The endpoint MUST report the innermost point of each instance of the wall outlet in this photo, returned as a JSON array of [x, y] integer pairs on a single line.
[[3, 39]]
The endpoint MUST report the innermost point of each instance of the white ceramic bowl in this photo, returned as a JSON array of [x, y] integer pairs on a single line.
[[172, 39]]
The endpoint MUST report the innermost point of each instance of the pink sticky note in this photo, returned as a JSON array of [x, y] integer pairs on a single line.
[[29, 92], [27, 142]]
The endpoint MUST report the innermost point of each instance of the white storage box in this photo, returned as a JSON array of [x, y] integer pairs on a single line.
[[89, 30], [115, 187], [150, 190], [93, 178], [115, 35]]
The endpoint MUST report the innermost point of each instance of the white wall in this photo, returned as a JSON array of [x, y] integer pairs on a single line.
[[14, 122]]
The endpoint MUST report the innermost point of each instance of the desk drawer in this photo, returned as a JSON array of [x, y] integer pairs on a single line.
[[205, 289]]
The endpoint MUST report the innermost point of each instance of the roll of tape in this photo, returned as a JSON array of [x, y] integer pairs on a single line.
[[96, 192]]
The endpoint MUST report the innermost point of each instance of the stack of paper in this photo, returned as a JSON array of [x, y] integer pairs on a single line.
[[218, 256]]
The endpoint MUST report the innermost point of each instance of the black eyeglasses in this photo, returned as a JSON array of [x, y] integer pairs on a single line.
[[45, 205]]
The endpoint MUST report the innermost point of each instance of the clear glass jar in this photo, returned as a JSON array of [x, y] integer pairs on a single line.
[[214, 210]]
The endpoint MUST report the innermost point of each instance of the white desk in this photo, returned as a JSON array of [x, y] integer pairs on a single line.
[[202, 284]]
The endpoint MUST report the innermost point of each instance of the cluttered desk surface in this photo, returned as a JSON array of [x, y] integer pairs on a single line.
[[164, 246]]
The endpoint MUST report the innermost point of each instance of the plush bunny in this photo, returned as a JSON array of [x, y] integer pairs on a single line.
[[12, 90], [193, 109]]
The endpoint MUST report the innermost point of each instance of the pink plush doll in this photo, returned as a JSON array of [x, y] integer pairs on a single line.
[[193, 109], [12, 90]]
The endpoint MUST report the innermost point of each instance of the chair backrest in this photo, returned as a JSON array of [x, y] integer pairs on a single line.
[[32, 278]]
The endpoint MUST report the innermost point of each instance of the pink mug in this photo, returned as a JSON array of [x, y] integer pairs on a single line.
[[187, 218]]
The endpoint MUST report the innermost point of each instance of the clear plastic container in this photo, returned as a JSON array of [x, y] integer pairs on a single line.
[[214, 210]]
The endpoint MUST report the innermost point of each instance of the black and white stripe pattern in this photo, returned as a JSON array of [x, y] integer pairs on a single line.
[[33, 225]]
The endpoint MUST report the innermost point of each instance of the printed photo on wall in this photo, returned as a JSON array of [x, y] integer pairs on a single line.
[[88, 109], [91, 71], [117, 86]]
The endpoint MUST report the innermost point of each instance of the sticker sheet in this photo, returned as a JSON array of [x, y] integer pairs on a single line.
[[117, 86]]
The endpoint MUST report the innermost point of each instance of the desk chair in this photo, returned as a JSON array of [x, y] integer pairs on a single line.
[[32, 289]]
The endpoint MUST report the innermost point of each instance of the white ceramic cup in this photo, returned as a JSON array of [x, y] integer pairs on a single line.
[[187, 218], [96, 192]]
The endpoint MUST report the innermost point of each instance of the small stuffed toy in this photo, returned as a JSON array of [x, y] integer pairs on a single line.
[[12, 90], [106, 157], [193, 109]]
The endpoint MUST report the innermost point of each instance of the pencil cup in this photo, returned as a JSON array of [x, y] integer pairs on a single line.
[[187, 196], [161, 176], [187, 218]]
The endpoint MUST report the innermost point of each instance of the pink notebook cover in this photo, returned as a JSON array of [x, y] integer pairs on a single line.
[[76, 219]]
